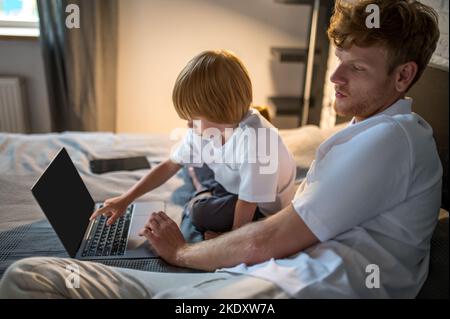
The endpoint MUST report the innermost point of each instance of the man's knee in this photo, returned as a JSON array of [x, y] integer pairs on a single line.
[[21, 278], [11, 279]]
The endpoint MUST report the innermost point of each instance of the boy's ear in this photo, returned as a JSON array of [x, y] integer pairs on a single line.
[[405, 74]]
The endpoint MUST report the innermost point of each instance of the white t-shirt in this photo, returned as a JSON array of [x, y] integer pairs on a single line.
[[254, 162], [372, 197]]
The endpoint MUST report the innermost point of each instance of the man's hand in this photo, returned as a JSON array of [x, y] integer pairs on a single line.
[[165, 237]]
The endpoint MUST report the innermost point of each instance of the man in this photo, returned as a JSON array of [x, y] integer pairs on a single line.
[[359, 226]]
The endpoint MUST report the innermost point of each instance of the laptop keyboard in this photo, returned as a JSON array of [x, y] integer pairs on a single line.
[[109, 240]]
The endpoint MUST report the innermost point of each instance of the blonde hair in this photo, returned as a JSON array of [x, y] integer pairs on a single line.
[[215, 85], [408, 30]]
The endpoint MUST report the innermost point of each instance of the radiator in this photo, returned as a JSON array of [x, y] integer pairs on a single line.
[[13, 116]]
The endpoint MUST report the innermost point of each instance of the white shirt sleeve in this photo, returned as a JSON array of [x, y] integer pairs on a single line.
[[257, 183], [186, 152], [256, 187], [355, 181]]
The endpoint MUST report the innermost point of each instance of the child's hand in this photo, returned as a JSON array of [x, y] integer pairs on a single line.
[[211, 234], [113, 208]]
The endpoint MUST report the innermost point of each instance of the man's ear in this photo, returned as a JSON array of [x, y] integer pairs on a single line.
[[405, 74]]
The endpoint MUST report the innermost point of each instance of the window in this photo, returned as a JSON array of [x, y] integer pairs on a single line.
[[19, 18]]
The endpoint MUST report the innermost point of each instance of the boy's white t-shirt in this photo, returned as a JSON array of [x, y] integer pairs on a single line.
[[254, 163], [372, 198]]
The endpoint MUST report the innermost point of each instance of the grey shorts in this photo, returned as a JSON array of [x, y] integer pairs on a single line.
[[212, 208]]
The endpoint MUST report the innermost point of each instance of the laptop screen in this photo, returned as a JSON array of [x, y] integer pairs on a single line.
[[65, 200]]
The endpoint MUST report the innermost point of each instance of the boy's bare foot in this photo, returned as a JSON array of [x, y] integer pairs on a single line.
[[197, 185]]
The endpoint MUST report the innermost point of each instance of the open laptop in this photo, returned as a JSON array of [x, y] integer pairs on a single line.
[[67, 204]]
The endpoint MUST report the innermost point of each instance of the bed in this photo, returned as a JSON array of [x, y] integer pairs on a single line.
[[24, 230]]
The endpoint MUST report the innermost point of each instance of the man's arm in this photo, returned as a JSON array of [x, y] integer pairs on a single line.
[[277, 236]]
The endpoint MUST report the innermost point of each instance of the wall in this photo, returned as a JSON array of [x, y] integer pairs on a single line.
[[440, 56], [157, 38], [23, 58], [430, 95]]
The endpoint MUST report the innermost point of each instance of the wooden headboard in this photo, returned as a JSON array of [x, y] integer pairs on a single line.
[[430, 96]]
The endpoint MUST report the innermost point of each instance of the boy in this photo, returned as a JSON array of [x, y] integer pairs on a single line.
[[250, 172]]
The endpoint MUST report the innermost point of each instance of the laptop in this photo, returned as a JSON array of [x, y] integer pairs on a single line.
[[67, 204]]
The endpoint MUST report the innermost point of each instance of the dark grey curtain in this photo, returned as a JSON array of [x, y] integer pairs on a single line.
[[80, 64]]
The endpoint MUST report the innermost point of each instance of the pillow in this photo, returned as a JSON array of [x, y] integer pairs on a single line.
[[304, 141]]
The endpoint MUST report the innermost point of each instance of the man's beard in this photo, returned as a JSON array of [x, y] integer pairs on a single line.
[[353, 109]]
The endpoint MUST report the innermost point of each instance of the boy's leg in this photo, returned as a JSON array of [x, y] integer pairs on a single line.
[[203, 173], [199, 175], [213, 208], [210, 208]]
